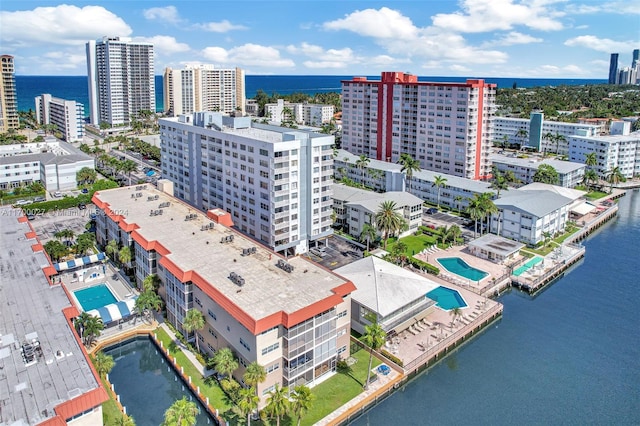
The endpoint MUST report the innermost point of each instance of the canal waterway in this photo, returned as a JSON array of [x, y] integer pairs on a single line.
[[569, 355], [146, 383]]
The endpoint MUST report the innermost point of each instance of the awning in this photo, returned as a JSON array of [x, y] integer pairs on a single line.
[[114, 311], [80, 261], [583, 208]]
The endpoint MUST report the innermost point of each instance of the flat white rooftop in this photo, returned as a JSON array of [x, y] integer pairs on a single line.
[[267, 288]]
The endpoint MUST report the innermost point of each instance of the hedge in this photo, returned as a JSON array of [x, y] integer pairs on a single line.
[[392, 358], [68, 202], [427, 267]]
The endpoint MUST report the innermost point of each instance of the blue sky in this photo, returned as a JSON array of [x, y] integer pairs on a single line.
[[481, 38]]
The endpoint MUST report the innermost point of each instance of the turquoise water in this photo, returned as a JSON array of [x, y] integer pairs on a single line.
[[146, 383], [527, 265], [457, 266], [568, 356], [447, 298], [94, 297]]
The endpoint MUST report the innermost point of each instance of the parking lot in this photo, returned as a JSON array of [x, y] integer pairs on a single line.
[[445, 219], [338, 252], [47, 224]]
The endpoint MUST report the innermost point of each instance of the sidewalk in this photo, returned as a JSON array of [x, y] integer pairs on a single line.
[[190, 355]]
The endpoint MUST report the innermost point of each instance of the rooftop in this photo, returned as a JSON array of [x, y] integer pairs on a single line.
[[631, 137], [371, 200], [534, 162], [538, 203], [31, 317], [384, 287], [196, 244], [496, 244]]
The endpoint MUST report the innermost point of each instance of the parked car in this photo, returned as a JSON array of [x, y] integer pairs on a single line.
[[319, 251], [432, 210], [22, 202], [85, 191], [39, 199], [31, 216], [82, 206], [57, 194]]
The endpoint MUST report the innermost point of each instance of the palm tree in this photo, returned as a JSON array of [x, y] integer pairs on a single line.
[[254, 374], [125, 256], [499, 183], [557, 139], [112, 248], [614, 177], [126, 421], [388, 220], [547, 237], [488, 207], [374, 337], [129, 166], [399, 252], [409, 165], [455, 312], [439, 182], [475, 211], [147, 301], [591, 159], [302, 399], [193, 321], [457, 200], [103, 363], [224, 362], [368, 234], [453, 233], [151, 283], [522, 134], [549, 137], [247, 402], [590, 176], [362, 162], [181, 413], [278, 402], [91, 327]]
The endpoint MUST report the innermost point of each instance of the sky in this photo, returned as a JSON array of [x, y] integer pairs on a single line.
[[474, 38]]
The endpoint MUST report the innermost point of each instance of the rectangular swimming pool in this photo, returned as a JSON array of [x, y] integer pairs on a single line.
[[94, 297], [457, 266], [519, 271]]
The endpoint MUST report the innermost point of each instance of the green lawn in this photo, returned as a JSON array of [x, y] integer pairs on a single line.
[[594, 195], [415, 243], [555, 242], [208, 388]]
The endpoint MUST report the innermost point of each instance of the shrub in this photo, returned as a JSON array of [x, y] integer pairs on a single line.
[[231, 388], [427, 267], [392, 358]]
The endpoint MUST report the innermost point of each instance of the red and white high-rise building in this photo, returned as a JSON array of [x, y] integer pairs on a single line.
[[446, 126]]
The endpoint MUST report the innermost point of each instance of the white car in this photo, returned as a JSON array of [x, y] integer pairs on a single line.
[[57, 194], [22, 202], [319, 251]]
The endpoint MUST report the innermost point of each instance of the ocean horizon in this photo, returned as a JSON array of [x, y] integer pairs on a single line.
[[76, 87]]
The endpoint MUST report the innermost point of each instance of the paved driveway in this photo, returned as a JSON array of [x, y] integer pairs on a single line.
[[339, 252]]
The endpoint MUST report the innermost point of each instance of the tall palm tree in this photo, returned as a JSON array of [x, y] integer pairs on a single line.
[[488, 207], [124, 255], [439, 182], [181, 413], [591, 159], [225, 362], [388, 221], [409, 165], [92, 327], [278, 402], [254, 374], [499, 183], [368, 234], [547, 237], [362, 162], [522, 134], [301, 400], [557, 138], [103, 363], [128, 167], [457, 200], [151, 283], [614, 177], [193, 321], [590, 177], [549, 137], [247, 402], [475, 209], [112, 248], [147, 301], [374, 337]]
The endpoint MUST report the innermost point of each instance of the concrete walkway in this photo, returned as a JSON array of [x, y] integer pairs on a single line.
[[190, 355]]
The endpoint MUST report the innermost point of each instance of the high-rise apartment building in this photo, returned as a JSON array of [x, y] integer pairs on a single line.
[[275, 181], [203, 88], [446, 126], [121, 80], [8, 98], [68, 116], [613, 69], [635, 60]]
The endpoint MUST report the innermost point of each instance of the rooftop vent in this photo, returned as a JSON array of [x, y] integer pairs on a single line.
[[155, 212], [227, 239], [191, 216], [153, 197], [163, 205], [248, 251], [237, 279], [284, 266], [207, 226], [136, 195], [141, 187]]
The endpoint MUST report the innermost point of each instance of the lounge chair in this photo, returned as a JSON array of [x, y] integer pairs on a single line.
[[410, 330]]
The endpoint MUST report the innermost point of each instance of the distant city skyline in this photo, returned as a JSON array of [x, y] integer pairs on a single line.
[[482, 38]]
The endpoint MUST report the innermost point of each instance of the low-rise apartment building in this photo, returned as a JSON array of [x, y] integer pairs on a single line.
[[276, 182], [301, 113], [290, 315], [355, 207], [570, 173], [621, 151]]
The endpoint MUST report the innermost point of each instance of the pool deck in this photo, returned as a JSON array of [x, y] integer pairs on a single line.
[[112, 278]]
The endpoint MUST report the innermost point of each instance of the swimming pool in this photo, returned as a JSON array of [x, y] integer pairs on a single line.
[[457, 266], [522, 269], [94, 297], [447, 298]]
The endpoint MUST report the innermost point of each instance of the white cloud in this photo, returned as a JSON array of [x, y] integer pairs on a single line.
[[515, 37], [248, 55], [167, 14], [459, 68], [601, 44], [555, 70], [166, 45], [384, 23], [64, 24], [324, 64], [626, 7], [490, 15], [220, 27]]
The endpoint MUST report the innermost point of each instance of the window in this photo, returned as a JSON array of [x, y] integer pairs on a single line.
[[342, 314], [272, 368], [245, 344], [270, 348], [211, 314]]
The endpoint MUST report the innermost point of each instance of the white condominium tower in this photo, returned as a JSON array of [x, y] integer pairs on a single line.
[[68, 116], [446, 126], [276, 182], [203, 88], [8, 97], [121, 80]]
